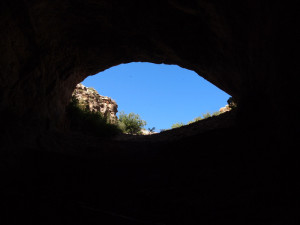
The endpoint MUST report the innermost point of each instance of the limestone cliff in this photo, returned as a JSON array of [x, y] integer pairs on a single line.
[[90, 99]]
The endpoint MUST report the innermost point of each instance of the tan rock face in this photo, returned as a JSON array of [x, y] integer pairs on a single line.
[[226, 108], [90, 99]]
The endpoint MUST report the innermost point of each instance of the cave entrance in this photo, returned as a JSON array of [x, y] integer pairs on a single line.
[[163, 95]]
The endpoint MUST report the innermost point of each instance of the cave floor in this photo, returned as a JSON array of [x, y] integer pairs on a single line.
[[184, 176]]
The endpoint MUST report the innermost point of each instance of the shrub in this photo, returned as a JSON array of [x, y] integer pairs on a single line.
[[93, 123], [206, 115], [195, 120], [151, 130], [216, 113], [133, 123], [177, 125]]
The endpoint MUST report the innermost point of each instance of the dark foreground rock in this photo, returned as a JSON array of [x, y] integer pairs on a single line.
[[243, 172], [213, 176]]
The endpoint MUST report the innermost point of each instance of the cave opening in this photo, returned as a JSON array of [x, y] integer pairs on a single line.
[[164, 96], [240, 174]]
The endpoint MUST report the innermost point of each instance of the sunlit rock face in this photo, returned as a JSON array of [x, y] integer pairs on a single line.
[[226, 108], [90, 99]]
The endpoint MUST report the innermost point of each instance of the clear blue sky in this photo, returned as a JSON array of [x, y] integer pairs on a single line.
[[161, 94]]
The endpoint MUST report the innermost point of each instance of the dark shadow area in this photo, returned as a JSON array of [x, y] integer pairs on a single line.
[[242, 170], [223, 176]]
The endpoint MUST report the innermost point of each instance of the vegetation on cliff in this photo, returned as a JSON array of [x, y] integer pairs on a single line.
[[93, 123], [231, 105], [82, 119], [94, 114], [91, 100], [204, 116]]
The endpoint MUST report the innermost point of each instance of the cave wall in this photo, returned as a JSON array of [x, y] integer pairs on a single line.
[[47, 47], [241, 174]]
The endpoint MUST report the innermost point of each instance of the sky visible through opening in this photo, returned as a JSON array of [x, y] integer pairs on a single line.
[[161, 94]]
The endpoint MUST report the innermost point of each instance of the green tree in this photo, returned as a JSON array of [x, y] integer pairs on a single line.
[[132, 122], [122, 126]]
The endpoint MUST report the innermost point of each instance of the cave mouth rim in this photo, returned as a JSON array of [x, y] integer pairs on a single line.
[[193, 74]]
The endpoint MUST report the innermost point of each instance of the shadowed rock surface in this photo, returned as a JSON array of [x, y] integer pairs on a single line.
[[241, 170]]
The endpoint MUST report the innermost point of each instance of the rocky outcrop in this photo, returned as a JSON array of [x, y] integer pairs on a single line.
[[147, 132], [90, 99], [226, 108]]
